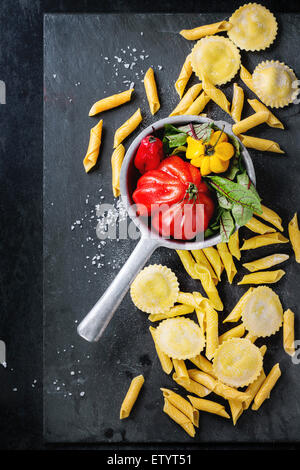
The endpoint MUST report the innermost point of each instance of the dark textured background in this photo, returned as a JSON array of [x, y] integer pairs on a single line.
[[21, 201]]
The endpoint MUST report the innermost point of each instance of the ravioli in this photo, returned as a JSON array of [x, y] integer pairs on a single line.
[[180, 338]]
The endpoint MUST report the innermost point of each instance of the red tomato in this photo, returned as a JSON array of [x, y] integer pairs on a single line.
[[149, 154], [176, 185]]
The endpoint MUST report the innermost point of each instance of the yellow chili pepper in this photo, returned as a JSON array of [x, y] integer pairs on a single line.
[[212, 156]]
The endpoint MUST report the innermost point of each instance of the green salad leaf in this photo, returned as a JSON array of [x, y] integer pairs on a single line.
[[173, 138], [202, 131], [227, 225], [241, 214]]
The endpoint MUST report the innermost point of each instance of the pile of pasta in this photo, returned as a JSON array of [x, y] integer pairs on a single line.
[[232, 367]]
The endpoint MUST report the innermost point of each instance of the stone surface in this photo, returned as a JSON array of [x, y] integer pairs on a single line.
[[84, 384]]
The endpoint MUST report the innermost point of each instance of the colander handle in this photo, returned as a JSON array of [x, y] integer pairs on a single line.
[[93, 325]]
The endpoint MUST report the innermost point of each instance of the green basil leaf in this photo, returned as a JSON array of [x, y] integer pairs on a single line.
[[227, 226], [241, 214], [235, 192]]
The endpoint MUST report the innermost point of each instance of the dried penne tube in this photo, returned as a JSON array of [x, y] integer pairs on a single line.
[[267, 386], [251, 337], [201, 259], [187, 100], [271, 217], [92, 153], [289, 332], [236, 332], [214, 258], [272, 121], [175, 311], [209, 406], [198, 105], [206, 30], [165, 361], [294, 234], [253, 388], [237, 102], [151, 91], [201, 318], [111, 102], [199, 298], [264, 145], [227, 260], [234, 245], [209, 287], [192, 386], [263, 240], [257, 226], [184, 76], [265, 263], [203, 364], [179, 418], [182, 405], [116, 164], [246, 77], [181, 370], [187, 298], [131, 396], [248, 123], [216, 386], [127, 128], [262, 277], [216, 95], [236, 408], [188, 263], [236, 313], [212, 335]]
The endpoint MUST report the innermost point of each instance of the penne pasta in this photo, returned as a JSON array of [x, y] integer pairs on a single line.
[[92, 153], [201, 318], [264, 145], [111, 102], [272, 121], [214, 258], [262, 277], [251, 337], [246, 77], [236, 408], [217, 387], [236, 332], [257, 226], [179, 418], [253, 388], [263, 240], [237, 102], [212, 336], [265, 263], [209, 287], [151, 91], [175, 311], [182, 405], [209, 406], [187, 100], [206, 30], [267, 386], [271, 217], [184, 76], [198, 105], [131, 396], [180, 370], [227, 260], [289, 332], [234, 245], [192, 386], [203, 364], [216, 95], [236, 313], [127, 128], [202, 260], [188, 263], [294, 234], [187, 298], [248, 123], [165, 361], [116, 164]]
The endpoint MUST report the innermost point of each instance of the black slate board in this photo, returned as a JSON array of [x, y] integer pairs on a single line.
[[84, 384]]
